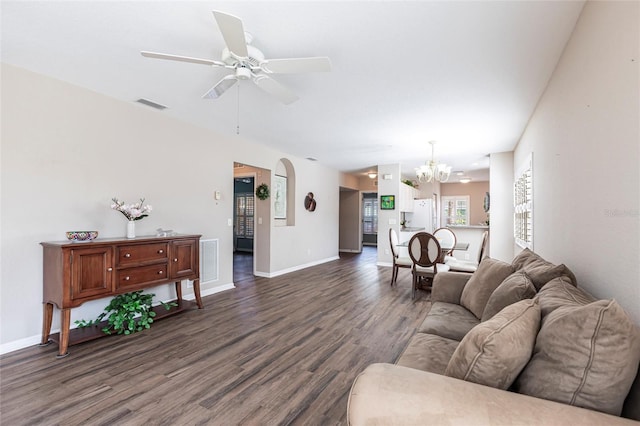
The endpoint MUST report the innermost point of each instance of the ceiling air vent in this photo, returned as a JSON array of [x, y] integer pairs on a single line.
[[312, 159], [152, 104]]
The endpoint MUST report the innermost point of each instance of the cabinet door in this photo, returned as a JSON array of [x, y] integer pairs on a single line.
[[91, 272], [184, 259]]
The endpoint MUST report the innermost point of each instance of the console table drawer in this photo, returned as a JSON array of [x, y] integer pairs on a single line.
[[141, 253], [133, 277]]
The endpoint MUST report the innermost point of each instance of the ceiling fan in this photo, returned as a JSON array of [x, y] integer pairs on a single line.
[[247, 62]]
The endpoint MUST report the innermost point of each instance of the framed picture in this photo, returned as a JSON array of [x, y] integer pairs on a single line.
[[280, 197], [387, 202]]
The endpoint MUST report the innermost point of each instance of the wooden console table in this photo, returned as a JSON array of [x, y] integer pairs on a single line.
[[75, 273]]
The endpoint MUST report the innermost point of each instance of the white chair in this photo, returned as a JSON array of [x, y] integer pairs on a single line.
[[398, 262], [424, 250], [446, 237], [466, 265]]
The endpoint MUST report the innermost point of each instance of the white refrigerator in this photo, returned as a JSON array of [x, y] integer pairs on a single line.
[[423, 215]]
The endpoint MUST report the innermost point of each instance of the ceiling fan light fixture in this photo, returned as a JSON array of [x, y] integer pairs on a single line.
[[243, 73]]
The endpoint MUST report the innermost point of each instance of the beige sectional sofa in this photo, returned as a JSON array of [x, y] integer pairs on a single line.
[[514, 343]]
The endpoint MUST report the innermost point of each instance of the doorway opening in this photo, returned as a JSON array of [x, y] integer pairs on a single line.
[[243, 227], [370, 219]]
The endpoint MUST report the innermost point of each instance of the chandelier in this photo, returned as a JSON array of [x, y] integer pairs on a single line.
[[432, 170]]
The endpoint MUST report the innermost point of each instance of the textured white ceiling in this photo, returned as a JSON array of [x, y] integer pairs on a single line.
[[466, 74]]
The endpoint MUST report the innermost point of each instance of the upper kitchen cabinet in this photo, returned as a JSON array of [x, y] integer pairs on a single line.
[[407, 195]]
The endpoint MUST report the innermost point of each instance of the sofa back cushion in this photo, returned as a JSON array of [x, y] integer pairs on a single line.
[[495, 351], [561, 292], [514, 288], [483, 282], [585, 355], [539, 270]]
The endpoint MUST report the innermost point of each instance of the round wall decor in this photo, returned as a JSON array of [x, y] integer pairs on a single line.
[[486, 204], [309, 202], [262, 191]]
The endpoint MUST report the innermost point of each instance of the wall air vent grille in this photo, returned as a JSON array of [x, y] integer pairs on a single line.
[[208, 261], [151, 104]]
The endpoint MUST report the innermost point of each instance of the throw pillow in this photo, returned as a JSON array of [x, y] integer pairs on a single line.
[[483, 282], [514, 288], [585, 356], [539, 270], [494, 352]]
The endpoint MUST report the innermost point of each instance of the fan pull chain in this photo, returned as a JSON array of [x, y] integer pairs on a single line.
[[238, 112]]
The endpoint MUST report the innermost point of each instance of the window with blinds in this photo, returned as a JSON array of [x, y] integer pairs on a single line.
[[370, 215], [523, 205], [455, 210], [244, 214]]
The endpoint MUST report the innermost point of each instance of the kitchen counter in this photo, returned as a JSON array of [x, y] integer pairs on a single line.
[[411, 229]]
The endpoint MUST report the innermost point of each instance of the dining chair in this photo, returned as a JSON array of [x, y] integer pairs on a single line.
[[398, 262], [448, 238], [424, 251], [466, 265]]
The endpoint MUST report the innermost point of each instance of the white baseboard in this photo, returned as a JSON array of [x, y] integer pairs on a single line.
[[210, 291], [34, 340], [349, 251], [20, 344], [299, 267]]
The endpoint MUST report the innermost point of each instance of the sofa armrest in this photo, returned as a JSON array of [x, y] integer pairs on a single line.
[[386, 394], [448, 286]]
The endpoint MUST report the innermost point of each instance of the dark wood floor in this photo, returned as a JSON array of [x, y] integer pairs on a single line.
[[273, 351]]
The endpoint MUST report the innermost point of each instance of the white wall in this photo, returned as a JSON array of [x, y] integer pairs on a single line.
[[387, 218], [67, 151], [585, 136], [501, 207]]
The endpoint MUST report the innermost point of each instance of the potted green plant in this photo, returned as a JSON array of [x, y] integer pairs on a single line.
[[126, 313]]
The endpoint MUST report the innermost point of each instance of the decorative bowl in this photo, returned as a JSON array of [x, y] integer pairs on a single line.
[[82, 235]]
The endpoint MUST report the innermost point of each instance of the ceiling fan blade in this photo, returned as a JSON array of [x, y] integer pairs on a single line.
[[276, 89], [156, 55], [297, 65], [222, 86], [232, 32]]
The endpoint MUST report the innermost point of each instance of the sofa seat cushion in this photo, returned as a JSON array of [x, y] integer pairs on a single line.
[[495, 351], [539, 270], [386, 394], [428, 352], [483, 282], [514, 288], [448, 320], [440, 267], [585, 355]]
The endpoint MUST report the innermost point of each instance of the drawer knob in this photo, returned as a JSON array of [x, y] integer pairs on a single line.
[[160, 251], [127, 255], [109, 269], [160, 272], [126, 278], [175, 260]]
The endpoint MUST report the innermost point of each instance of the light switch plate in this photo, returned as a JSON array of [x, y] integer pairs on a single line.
[[229, 222]]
